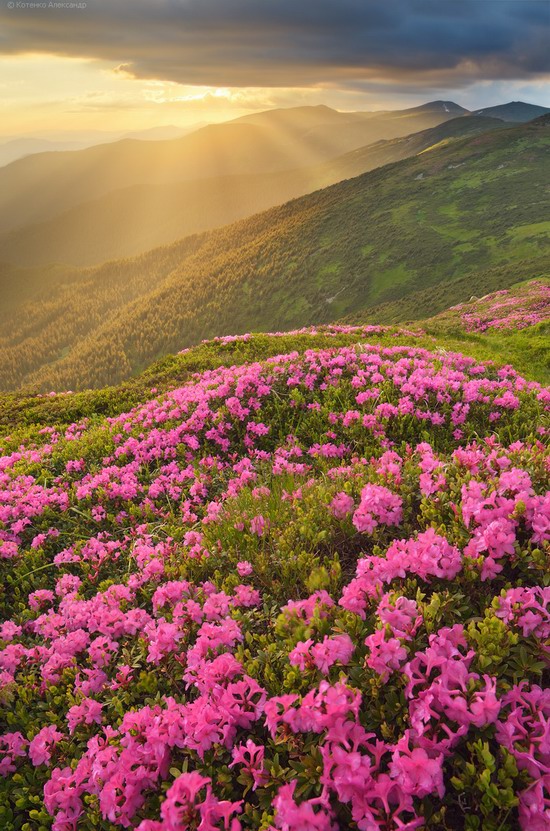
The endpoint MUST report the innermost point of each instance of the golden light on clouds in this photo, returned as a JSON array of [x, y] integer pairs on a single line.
[[54, 95], [137, 64], [46, 93]]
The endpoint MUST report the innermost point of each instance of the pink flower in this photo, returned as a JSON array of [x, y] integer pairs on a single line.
[[9, 631], [310, 815], [384, 655], [62, 798], [87, 712], [377, 505], [258, 525], [417, 773], [301, 655], [40, 598], [341, 505], [12, 746], [430, 555], [178, 809], [335, 649], [251, 757], [534, 807], [485, 707], [43, 743], [163, 639], [181, 808]]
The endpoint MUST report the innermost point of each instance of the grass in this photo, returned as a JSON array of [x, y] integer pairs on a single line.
[[527, 231], [396, 276]]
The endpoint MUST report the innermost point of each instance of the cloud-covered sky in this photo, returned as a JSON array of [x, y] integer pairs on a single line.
[[352, 53]]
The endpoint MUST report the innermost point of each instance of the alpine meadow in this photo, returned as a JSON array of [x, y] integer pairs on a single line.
[[275, 415]]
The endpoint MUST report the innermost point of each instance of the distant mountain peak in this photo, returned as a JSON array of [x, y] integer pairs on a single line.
[[305, 115], [440, 102], [518, 111], [450, 107], [444, 104]]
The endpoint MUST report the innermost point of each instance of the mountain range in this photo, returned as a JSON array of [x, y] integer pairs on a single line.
[[134, 219], [261, 143], [270, 142], [417, 231], [14, 148]]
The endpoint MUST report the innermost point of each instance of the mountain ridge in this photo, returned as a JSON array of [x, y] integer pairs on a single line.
[[121, 223], [228, 148], [518, 111]]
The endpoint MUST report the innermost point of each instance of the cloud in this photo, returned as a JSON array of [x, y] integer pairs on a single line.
[[346, 44], [124, 69]]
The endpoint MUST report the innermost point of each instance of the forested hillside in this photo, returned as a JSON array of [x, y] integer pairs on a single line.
[[453, 212]]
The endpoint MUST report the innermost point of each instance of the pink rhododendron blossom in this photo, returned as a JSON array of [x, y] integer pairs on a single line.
[[415, 771], [40, 748], [385, 654], [13, 746], [378, 505], [250, 757], [341, 505], [87, 712], [309, 815]]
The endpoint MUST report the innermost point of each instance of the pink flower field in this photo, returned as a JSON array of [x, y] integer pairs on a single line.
[[305, 593], [508, 310]]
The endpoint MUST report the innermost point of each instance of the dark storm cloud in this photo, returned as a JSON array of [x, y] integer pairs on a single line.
[[295, 42]]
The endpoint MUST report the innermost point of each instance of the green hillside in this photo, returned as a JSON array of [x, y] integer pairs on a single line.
[[423, 303], [134, 219], [385, 152], [511, 324], [527, 348], [455, 212]]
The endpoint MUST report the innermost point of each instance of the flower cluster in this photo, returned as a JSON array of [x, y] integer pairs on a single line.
[[506, 310], [288, 594]]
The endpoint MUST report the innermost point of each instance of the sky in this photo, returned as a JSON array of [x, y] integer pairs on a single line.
[[86, 68]]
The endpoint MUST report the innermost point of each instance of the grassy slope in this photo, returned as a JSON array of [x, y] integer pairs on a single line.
[[528, 350], [446, 215]]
